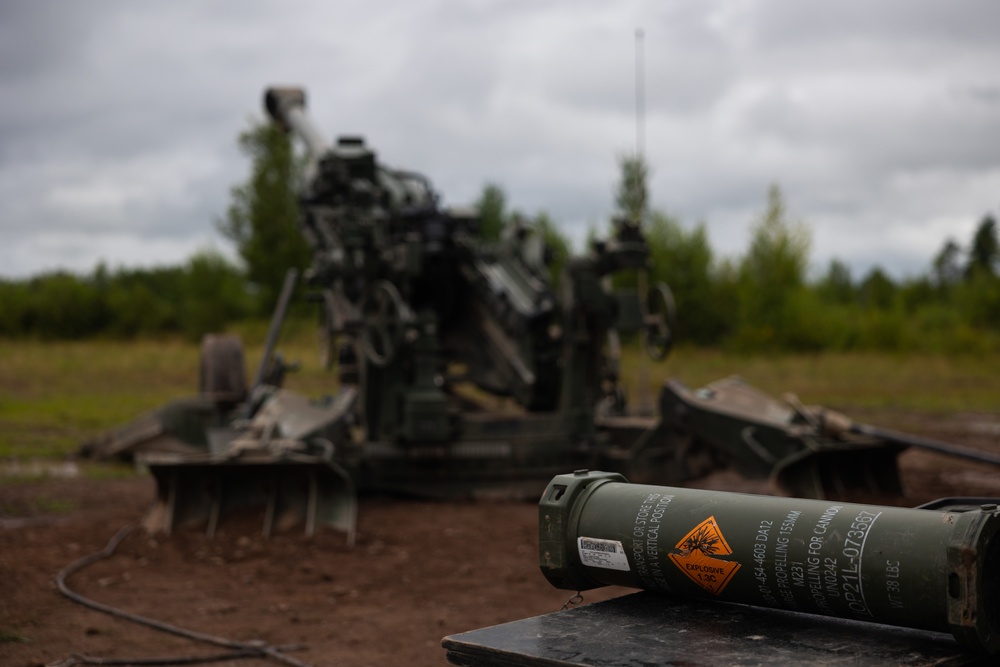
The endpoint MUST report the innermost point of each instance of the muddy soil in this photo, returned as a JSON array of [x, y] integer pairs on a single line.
[[420, 570]]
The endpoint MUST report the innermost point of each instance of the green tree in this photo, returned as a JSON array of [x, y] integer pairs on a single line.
[[137, 307], [984, 251], [557, 246], [945, 264], [837, 285], [262, 219], [917, 293], [978, 300], [64, 306], [683, 259], [15, 308], [772, 277], [978, 297], [877, 290], [492, 207], [632, 192], [214, 294]]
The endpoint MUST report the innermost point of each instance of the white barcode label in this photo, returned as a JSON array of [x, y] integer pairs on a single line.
[[595, 552]]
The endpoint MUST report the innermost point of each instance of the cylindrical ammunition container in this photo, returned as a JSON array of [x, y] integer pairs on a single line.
[[926, 569]]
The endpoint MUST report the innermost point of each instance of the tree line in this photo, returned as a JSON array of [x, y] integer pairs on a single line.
[[765, 299], [761, 300], [205, 294]]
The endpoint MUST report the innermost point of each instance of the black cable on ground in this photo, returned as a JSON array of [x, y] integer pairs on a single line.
[[77, 659], [251, 649]]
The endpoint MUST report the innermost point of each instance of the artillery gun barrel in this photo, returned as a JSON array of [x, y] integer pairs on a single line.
[[287, 106], [935, 570]]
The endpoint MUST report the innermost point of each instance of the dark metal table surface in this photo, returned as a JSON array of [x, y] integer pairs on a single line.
[[647, 630]]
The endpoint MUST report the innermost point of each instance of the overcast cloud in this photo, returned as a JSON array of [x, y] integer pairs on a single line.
[[880, 121]]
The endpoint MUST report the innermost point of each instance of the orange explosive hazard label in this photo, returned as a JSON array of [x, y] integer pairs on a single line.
[[697, 557]]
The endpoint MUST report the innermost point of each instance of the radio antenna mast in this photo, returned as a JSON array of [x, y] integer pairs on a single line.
[[640, 96]]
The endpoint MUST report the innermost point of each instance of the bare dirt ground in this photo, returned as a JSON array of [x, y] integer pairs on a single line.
[[420, 570]]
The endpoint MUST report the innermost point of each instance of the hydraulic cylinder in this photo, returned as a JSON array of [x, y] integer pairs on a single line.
[[920, 568]]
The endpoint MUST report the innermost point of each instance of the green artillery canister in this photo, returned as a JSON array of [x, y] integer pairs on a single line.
[[918, 568]]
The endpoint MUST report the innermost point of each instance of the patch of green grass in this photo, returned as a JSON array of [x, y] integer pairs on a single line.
[[101, 471], [36, 506], [46, 505], [54, 396], [931, 383], [924, 382], [11, 637]]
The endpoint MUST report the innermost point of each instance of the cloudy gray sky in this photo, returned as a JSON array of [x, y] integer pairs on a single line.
[[880, 121]]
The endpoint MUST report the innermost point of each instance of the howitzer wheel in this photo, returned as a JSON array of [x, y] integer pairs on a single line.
[[385, 317], [659, 321], [222, 373]]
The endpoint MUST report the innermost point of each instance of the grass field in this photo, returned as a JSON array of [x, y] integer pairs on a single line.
[[53, 396]]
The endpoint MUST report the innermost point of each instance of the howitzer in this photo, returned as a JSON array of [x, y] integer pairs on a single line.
[[424, 317], [417, 308], [422, 303], [422, 289]]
